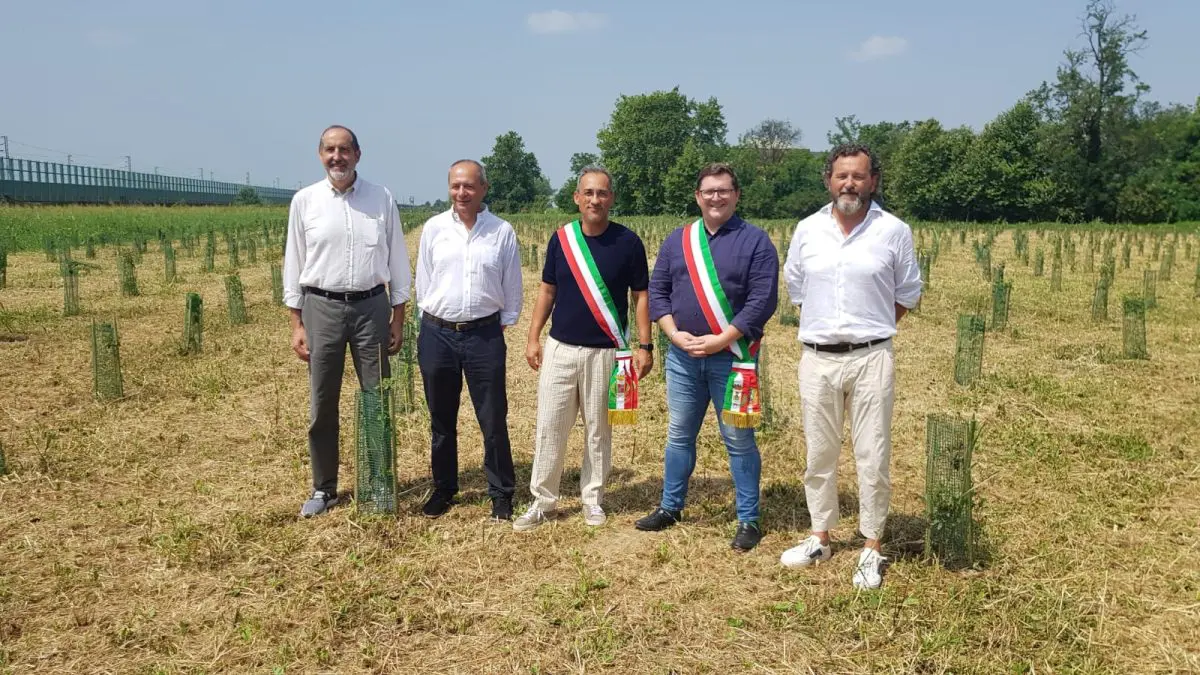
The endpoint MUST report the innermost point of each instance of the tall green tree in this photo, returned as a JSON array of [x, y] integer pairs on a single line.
[[1091, 107], [564, 198], [516, 180], [1004, 174], [1166, 185], [926, 179], [646, 136]]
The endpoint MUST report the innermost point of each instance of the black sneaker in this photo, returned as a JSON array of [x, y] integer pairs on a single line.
[[747, 537], [659, 519], [501, 508], [439, 503]]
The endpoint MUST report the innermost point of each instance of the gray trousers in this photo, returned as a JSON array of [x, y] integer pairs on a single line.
[[329, 326]]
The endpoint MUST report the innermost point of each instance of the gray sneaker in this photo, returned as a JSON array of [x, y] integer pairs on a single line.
[[593, 515], [318, 503], [533, 517]]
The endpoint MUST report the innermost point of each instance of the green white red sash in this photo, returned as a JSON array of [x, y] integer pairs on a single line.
[[743, 405], [622, 384]]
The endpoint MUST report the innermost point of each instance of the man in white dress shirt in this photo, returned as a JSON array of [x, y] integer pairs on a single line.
[[344, 245], [852, 270], [469, 291]]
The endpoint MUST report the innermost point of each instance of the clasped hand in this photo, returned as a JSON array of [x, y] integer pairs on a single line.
[[698, 346]]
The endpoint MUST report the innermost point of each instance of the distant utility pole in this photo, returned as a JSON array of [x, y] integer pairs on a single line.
[[247, 178], [210, 175], [128, 163], [6, 155], [68, 160], [156, 171], [201, 173]]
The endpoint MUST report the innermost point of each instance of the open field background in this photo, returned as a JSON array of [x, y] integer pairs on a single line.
[[159, 533]]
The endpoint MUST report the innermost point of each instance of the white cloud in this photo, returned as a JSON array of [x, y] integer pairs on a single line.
[[106, 38], [880, 47], [558, 21]]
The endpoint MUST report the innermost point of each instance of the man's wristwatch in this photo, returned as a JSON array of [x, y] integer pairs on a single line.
[[648, 346]]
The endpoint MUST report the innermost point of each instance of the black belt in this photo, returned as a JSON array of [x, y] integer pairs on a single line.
[[842, 347], [353, 296], [460, 326]]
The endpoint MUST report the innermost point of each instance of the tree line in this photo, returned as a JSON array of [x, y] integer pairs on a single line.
[[1088, 145]]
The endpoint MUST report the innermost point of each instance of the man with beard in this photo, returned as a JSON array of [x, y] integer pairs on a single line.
[[852, 270], [715, 285], [469, 292], [588, 366], [344, 245]]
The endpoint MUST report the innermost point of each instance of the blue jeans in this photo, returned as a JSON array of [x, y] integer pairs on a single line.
[[691, 384]]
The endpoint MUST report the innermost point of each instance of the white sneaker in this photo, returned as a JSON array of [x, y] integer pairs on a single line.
[[868, 573], [808, 552], [593, 515], [532, 518]]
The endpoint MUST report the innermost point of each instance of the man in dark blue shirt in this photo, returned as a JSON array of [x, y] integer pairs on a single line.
[[715, 285], [592, 266]]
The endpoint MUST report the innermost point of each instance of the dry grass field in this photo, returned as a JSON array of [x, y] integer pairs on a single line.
[[159, 533]]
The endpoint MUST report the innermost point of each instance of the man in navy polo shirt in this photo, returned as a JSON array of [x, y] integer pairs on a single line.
[[592, 266], [719, 270]]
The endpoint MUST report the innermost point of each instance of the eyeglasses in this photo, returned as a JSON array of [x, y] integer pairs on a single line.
[[719, 192]]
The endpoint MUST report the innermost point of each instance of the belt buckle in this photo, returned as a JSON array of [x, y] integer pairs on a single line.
[[458, 326]]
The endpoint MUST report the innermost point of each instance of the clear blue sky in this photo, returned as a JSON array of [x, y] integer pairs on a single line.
[[247, 86]]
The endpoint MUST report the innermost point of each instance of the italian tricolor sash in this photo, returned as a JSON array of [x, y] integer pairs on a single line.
[[742, 407], [622, 384]]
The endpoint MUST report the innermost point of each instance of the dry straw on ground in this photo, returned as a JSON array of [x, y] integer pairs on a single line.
[[159, 533]]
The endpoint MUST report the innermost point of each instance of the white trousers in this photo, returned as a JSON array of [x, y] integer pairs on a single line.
[[861, 382], [573, 380]]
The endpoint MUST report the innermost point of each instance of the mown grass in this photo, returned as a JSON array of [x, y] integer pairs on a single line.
[[158, 533]]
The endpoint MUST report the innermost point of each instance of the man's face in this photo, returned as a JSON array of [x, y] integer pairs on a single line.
[[716, 198], [338, 155], [467, 188], [851, 184], [594, 197]]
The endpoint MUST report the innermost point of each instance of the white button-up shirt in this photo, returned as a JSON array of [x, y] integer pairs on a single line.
[[463, 275], [848, 286], [344, 242]]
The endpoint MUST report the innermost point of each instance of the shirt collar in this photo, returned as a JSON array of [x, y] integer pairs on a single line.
[[479, 217], [874, 209], [735, 222], [352, 188]]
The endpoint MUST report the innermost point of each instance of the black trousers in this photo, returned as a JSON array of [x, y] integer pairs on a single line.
[[445, 357]]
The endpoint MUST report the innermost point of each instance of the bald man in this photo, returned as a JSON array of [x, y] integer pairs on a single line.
[[469, 292], [346, 280]]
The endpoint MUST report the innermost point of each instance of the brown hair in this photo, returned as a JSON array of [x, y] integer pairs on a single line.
[[717, 169], [850, 150]]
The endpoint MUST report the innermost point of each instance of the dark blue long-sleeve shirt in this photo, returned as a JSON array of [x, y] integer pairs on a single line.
[[747, 265]]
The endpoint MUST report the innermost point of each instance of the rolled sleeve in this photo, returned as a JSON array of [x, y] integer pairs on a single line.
[[293, 256], [762, 291], [512, 284], [660, 279], [400, 283], [908, 272]]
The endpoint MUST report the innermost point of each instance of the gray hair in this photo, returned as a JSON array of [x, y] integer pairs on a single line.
[[596, 168], [482, 169]]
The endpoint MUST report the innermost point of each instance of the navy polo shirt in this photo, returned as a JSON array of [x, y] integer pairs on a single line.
[[620, 257]]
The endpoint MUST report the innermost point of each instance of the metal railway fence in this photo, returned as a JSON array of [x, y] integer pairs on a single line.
[[30, 181]]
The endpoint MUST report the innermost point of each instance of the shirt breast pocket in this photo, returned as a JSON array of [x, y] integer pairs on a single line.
[[489, 262], [371, 233]]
